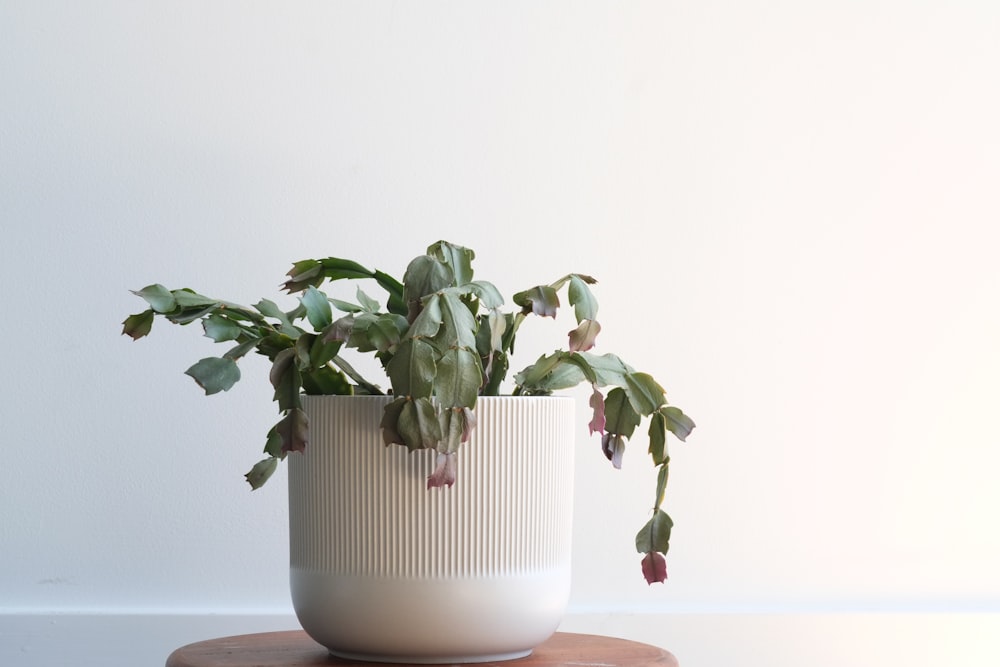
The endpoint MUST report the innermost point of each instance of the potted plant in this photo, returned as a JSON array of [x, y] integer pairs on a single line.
[[445, 345]]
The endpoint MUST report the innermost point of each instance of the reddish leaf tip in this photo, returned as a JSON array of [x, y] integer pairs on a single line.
[[654, 568], [444, 473]]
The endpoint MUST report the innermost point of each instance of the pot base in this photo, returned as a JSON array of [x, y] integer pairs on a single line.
[[431, 660], [441, 621]]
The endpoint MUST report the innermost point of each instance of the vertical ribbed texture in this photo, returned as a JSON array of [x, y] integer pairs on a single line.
[[357, 507]]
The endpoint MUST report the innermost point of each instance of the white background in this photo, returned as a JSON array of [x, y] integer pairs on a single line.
[[792, 209]]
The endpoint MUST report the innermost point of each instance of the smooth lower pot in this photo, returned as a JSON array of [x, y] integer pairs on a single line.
[[384, 569]]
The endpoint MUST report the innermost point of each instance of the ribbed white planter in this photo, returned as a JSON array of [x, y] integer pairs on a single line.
[[383, 569]]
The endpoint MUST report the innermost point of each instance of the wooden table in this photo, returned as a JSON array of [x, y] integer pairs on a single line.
[[295, 649]]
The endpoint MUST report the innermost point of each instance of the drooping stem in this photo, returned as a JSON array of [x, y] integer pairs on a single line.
[[511, 333], [340, 363]]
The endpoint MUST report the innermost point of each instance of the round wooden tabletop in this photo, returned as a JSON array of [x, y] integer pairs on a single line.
[[295, 649]]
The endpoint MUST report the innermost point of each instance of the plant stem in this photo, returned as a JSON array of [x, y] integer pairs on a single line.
[[518, 318], [356, 376]]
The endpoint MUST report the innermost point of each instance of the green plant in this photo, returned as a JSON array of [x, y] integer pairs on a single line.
[[443, 341]]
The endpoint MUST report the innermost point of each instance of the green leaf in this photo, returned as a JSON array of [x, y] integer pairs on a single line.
[[294, 431], [240, 350], [302, 347], [655, 535], [535, 374], [541, 300], [489, 345], [377, 333], [189, 315], [220, 328], [158, 297], [677, 422], [364, 387], [272, 344], [557, 285], [335, 268], [382, 336], [610, 370], [235, 312], [261, 472], [393, 327], [396, 304], [323, 350], [510, 331], [458, 324], [326, 381], [644, 393], [582, 338], [459, 259], [286, 379], [582, 299], [428, 322], [456, 426], [318, 310], [367, 303], [498, 371], [620, 417], [273, 444], [138, 325], [418, 424], [413, 368], [559, 370], [357, 331], [340, 330], [596, 423], [580, 361], [424, 276], [311, 272], [346, 306], [390, 422], [268, 308], [661, 482], [214, 374], [487, 293], [305, 272], [459, 376], [496, 329], [613, 446], [187, 298], [565, 375], [658, 438]]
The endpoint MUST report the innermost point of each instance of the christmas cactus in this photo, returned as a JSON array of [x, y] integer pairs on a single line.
[[443, 340]]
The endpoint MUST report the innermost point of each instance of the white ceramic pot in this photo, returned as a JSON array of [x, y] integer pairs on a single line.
[[384, 569]]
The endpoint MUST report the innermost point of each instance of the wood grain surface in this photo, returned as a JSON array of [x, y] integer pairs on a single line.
[[295, 649]]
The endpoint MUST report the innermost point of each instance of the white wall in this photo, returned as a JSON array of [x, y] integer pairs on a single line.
[[791, 206]]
